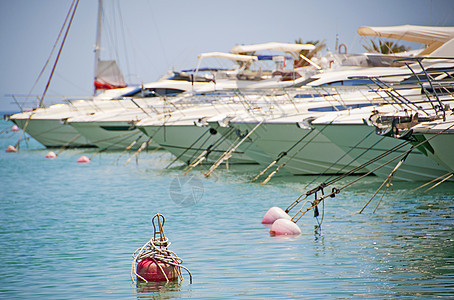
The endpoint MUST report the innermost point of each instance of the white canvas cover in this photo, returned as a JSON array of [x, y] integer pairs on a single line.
[[285, 47], [419, 34], [234, 57], [109, 74]]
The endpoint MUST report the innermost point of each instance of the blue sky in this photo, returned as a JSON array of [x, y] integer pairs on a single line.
[[153, 36]]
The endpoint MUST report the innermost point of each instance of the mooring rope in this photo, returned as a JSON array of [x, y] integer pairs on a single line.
[[387, 181], [129, 147], [438, 183], [280, 156], [156, 250], [205, 153], [296, 153], [179, 156], [226, 155], [301, 212], [432, 181], [143, 146]]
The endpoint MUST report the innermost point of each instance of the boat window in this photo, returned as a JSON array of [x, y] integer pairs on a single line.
[[339, 107], [334, 83], [348, 82], [130, 94], [155, 92], [310, 95], [190, 77], [173, 92]]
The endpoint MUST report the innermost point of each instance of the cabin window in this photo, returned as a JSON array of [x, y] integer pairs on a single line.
[[339, 107], [349, 82]]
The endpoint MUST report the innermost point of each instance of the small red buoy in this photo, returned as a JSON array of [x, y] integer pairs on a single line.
[[14, 128], [51, 154], [11, 149], [284, 227], [83, 159], [273, 214], [148, 269]]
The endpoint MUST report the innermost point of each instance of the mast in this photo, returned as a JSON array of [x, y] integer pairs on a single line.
[[107, 73], [98, 41]]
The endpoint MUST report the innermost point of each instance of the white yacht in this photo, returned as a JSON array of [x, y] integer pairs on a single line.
[[185, 133], [51, 129], [115, 130], [276, 134], [49, 125], [284, 133], [351, 132], [430, 101]]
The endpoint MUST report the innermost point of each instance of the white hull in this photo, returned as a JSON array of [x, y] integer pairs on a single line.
[[187, 142], [363, 144], [443, 147], [114, 135], [314, 155], [49, 127], [53, 133], [248, 147]]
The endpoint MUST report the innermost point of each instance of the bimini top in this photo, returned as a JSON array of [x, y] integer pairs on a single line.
[[285, 47], [235, 57], [419, 34]]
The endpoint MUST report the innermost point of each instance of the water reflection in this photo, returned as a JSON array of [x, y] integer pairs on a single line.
[[158, 290]]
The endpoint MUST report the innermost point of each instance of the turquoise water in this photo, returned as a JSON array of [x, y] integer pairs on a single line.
[[68, 230]]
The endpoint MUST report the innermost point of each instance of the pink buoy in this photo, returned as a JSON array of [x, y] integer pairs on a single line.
[[273, 214], [284, 227], [14, 128], [11, 149], [150, 271], [83, 159], [51, 154]]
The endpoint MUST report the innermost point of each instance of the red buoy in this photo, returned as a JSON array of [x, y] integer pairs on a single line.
[[11, 149], [83, 159], [273, 214], [284, 227], [148, 269], [51, 154], [14, 128]]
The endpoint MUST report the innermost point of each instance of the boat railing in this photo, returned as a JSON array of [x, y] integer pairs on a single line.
[[28, 102], [432, 77]]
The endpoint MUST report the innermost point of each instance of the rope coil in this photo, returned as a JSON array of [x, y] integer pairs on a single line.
[[156, 250]]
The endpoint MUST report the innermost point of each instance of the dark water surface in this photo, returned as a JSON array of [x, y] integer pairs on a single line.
[[67, 231]]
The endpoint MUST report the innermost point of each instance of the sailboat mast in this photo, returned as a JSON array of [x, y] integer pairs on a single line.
[[98, 41]]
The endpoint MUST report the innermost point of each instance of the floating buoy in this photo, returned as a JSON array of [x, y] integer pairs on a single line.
[[150, 271], [51, 154], [155, 262], [83, 159], [14, 128], [11, 149], [273, 214], [284, 227]]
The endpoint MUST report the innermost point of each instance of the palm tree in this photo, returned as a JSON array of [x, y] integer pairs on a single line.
[[385, 47], [319, 46]]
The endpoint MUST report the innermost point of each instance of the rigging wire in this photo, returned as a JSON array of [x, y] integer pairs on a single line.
[[301, 212], [51, 52], [73, 8], [59, 52]]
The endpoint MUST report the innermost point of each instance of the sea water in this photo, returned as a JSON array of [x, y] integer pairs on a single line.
[[68, 230]]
